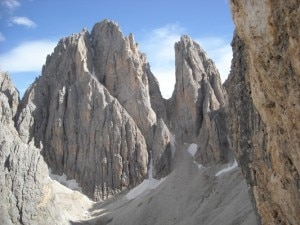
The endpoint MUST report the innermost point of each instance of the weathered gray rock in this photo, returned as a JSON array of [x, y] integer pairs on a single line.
[[23, 183], [123, 70], [264, 103], [23, 172], [162, 150], [84, 131], [96, 113], [9, 99], [196, 106], [248, 132]]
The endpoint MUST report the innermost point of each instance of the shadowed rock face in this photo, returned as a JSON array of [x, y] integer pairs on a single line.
[[196, 107], [23, 172], [248, 132], [267, 47]]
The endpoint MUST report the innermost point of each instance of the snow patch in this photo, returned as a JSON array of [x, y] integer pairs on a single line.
[[85, 67], [63, 179], [148, 184], [227, 169], [200, 166], [192, 149]]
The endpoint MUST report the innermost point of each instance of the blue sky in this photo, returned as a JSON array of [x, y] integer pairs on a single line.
[[30, 29]]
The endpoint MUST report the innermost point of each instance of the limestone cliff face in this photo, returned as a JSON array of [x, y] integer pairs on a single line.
[[10, 96], [269, 36], [248, 131], [23, 172], [97, 111], [122, 69], [126, 74], [196, 107], [91, 111], [84, 130]]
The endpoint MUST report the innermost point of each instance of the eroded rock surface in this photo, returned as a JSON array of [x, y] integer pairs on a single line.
[[269, 39], [122, 69], [197, 104], [23, 172], [84, 130], [9, 99], [96, 114], [92, 111]]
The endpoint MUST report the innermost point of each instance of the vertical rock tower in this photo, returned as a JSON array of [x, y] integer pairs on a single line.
[[196, 109]]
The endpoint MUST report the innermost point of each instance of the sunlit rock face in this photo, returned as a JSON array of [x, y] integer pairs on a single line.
[[196, 107], [266, 127], [98, 114], [91, 111], [85, 132]]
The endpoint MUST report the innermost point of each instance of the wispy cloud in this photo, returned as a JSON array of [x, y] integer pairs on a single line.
[[23, 21], [219, 50], [10, 4], [158, 45], [27, 57], [2, 38]]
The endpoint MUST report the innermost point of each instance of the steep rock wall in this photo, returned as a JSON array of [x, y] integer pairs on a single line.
[[196, 107], [122, 69], [23, 172], [84, 131], [270, 33], [248, 132]]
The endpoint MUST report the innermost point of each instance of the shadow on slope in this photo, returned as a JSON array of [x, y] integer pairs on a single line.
[[189, 195]]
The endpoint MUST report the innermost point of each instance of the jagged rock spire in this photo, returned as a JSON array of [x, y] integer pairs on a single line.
[[91, 111], [85, 132], [195, 108]]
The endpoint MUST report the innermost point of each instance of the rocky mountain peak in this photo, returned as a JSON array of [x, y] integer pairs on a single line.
[[122, 69], [199, 98], [92, 105], [96, 115], [12, 95]]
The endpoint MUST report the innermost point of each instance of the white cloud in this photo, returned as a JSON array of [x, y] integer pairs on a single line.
[[158, 45], [2, 38], [27, 57], [10, 4], [23, 21], [220, 52], [159, 48]]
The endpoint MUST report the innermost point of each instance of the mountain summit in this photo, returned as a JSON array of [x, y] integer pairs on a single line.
[[96, 122], [91, 110]]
